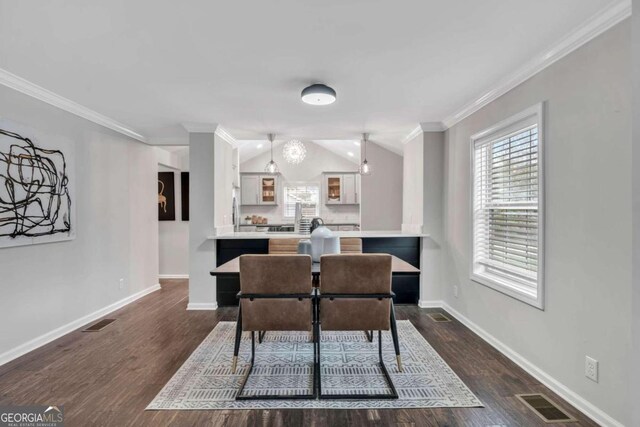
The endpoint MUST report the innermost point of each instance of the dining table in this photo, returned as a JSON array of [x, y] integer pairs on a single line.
[[399, 267]]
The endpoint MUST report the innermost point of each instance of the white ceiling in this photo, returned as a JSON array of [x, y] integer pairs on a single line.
[[348, 149], [153, 65]]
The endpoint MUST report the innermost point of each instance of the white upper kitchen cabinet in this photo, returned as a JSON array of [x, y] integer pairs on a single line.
[[258, 189], [268, 189], [350, 189], [341, 188], [249, 189]]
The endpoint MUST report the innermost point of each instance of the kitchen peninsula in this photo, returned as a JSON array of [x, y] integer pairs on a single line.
[[404, 245]]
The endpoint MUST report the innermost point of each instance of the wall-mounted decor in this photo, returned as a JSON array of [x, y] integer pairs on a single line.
[[37, 203], [166, 197], [184, 195]]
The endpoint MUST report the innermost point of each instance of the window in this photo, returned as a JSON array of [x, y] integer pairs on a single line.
[[307, 194], [507, 207]]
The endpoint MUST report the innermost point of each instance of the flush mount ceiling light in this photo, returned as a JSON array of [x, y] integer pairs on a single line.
[[271, 167], [365, 167], [318, 94], [294, 152]]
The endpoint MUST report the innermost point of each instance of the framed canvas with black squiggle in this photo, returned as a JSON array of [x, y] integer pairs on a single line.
[[37, 203]]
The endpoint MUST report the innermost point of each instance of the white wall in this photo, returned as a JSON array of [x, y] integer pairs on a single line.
[[588, 223], [318, 160], [412, 187], [202, 199], [224, 171], [174, 235], [381, 206], [431, 201], [47, 286]]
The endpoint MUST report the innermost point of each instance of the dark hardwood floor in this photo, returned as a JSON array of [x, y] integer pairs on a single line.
[[108, 377]]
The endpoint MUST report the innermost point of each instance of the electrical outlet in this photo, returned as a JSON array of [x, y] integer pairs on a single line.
[[121, 283], [455, 291], [591, 368]]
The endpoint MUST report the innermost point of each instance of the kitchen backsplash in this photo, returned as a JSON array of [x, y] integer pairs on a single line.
[[330, 214]]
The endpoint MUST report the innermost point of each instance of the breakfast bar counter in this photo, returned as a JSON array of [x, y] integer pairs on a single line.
[[280, 235], [403, 245]]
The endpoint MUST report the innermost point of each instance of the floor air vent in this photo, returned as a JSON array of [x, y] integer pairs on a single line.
[[439, 317], [545, 408], [99, 326]]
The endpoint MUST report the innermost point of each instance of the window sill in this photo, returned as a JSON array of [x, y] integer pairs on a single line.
[[512, 290]]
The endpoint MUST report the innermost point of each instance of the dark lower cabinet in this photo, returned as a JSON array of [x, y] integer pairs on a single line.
[[228, 287], [406, 288]]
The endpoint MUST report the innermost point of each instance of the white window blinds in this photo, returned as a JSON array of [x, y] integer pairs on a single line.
[[308, 195], [506, 209]]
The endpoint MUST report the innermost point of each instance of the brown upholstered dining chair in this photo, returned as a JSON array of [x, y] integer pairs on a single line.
[[350, 245], [353, 245], [283, 246], [355, 294], [275, 295], [280, 247]]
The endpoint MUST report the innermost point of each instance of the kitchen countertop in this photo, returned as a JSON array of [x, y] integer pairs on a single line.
[[361, 234], [292, 225]]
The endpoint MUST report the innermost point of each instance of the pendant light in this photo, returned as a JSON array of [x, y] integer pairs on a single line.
[[294, 152], [271, 167], [365, 167]]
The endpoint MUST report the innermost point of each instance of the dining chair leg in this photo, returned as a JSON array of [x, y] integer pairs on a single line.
[[253, 347], [261, 335], [314, 337], [394, 335], [369, 335], [359, 396], [241, 392], [246, 377], [317, 344], [236, 345]]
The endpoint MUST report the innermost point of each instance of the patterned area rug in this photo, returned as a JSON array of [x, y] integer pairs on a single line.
[[284, 365]]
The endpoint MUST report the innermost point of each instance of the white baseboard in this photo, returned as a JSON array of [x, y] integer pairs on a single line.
[[202, 306], [430, 304], [33, 344], [563, 391], [173, 276]]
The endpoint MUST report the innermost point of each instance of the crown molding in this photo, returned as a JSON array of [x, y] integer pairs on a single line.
[[415, 132], [26, 87], [593, 27], [193, 127], [432, 127], [424, 127], [172, 140], [224, 134]]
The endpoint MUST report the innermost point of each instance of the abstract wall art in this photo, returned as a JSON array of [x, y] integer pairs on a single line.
[[37, 203], [166, 197]]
